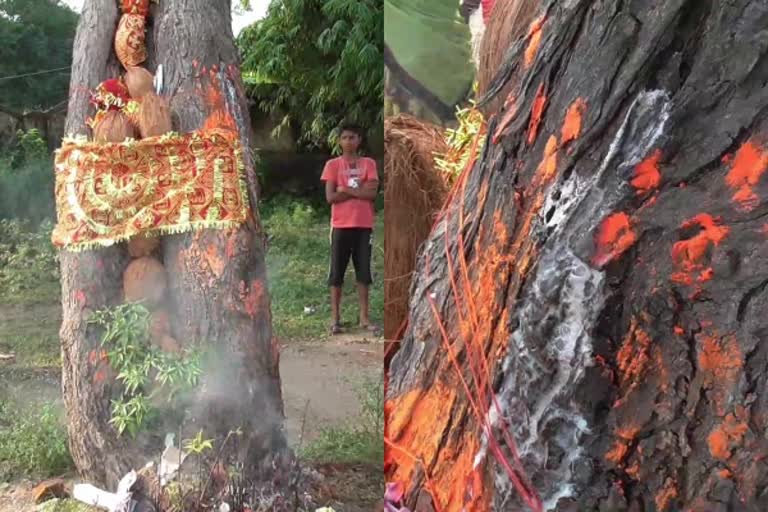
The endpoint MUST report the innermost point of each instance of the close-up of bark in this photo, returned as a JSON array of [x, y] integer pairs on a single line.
[[586, 326]]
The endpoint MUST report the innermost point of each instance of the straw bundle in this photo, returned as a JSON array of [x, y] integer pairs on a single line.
[[113, 126], [510, 21], [414, 192], [154, 116], [139, 81]]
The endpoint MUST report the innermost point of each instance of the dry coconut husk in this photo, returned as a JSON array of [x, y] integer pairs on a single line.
[[139, 81], [113, 126], [144, 281], [143, 245], [510, 20], [414, 192], [154, 116]]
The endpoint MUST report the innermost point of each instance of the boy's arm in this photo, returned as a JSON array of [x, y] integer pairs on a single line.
[[370, 187], [332, 195], [367, 192]]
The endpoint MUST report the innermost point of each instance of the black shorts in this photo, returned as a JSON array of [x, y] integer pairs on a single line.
[[354, 242]]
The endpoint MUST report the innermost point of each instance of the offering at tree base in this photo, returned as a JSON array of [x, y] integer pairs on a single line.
[[107, 193], [144, 281]]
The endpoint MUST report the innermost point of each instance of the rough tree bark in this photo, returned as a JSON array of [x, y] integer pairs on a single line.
[[614, 231], [217, 282]]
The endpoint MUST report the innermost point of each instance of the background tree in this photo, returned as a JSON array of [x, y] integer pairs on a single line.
[[35, 36], [592, 301], [216, 279], [316, 63]]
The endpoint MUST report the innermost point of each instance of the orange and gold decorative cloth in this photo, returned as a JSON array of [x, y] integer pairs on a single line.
[[107, 193]]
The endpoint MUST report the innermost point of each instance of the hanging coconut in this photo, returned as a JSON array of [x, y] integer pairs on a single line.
[[139, 81], [112, 126], [143, 245], [154, 116], [130, 45], [144, 281]]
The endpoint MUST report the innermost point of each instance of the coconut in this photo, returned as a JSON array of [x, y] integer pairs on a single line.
[[154, 116], [139, 81], [144, 281], [143, 245], [113, 126], [130, 45]]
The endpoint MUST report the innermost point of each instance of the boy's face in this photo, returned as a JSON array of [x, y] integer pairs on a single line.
[[350, 141]]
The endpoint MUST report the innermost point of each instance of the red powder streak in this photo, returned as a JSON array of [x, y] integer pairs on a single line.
[[487, 6], [535, 41], [573, 118], [748, 166], [548, 166], [538, 109], [613, 238], [647, 175]]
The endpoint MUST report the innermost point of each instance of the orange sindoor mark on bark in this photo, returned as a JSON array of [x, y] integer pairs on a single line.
[[536, 112], [548, 166], [415, 428], [647, 175], [216, 262], [510, 111], [632, 359], [534, 34], [573, 119], [625, 435], [252, 297], [726, 436], [747, 167], [688, 255], [721, 361], [666, 494], [219, 117], [613, 237]]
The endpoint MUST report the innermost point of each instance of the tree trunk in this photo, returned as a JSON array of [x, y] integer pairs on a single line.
[[217, 282], [594, 296]]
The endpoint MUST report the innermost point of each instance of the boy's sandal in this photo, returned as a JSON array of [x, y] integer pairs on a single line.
[[336, 329]]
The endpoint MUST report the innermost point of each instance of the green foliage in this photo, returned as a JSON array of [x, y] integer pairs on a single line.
[[26, 179], [35, 35], [29, 270], [144, 371], [198, 445], [460, 141], [297, 266], [32, 443], [317, 63], [361, 442]]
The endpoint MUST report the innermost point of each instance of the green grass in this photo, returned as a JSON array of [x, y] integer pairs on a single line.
[[297, 264], [33, 442], [358, 442]]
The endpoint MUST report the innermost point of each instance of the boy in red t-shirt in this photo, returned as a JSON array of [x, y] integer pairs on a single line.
[[351, 185]]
